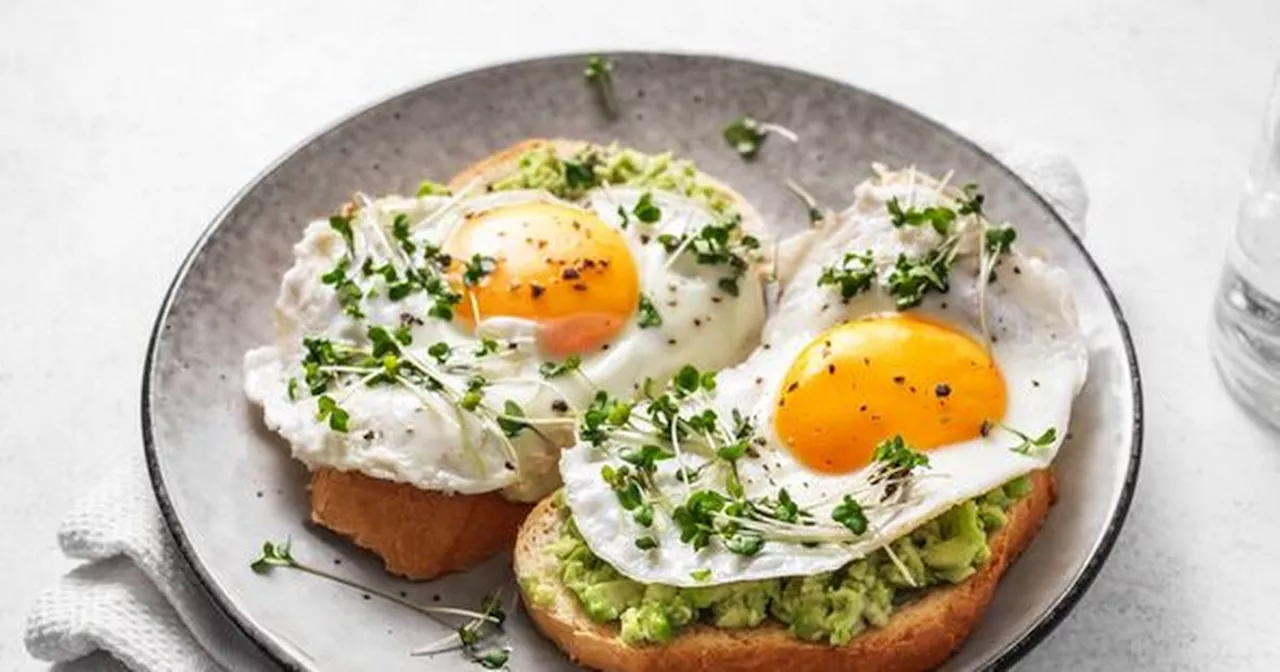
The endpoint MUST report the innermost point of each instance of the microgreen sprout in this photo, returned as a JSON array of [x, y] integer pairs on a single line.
[[939, 217], [599, 73], [996, 241], [895, 454], [971, 202], [489, 619], [849, 514], [580, 173], [477, 268], [745, 135], [816, 214], [645, 209], [911, 278], [509, 422], [1026, 443], [678, 425], [554, 370], [403, 267], [719, 244], [648, 313], [342, 224], [853, 275], [326, 407]]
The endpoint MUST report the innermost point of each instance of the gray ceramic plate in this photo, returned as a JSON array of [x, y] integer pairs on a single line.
[[225, 483]]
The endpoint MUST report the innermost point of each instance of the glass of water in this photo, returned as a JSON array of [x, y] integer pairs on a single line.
[[1246, 333]]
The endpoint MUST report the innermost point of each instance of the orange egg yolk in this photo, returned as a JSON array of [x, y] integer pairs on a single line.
[[870, 379], [556, 265]]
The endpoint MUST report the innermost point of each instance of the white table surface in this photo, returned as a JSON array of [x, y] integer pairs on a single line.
[[123, 129]]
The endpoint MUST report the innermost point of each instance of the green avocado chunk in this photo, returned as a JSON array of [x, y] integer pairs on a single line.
[[833, 607], [570, 178]]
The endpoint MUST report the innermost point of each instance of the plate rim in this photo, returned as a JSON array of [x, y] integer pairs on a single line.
[[267, 644]]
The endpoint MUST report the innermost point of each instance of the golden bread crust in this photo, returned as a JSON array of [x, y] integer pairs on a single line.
[[420, 534], [919, 636], [503, 162]]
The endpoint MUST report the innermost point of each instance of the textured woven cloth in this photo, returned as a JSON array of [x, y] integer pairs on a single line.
[[134, 598]]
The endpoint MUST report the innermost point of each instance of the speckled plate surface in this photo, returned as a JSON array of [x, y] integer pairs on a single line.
[[225, 483]]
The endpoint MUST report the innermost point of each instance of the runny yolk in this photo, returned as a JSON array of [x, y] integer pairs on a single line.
[[870, 379], [556, 265]]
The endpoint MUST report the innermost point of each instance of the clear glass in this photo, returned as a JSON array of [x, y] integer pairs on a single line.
[[1246, 334]]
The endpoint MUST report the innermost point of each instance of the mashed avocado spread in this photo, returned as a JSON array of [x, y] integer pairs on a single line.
[[832, 607], [570, 178]]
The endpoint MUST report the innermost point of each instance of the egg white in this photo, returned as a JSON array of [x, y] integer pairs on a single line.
[[1036, 342], [396, 435]]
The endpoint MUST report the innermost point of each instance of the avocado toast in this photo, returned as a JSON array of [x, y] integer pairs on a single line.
[[422, 533], [849, 495], [761, 628]]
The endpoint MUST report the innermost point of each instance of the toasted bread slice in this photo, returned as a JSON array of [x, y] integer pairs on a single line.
[[919, 636], [421, 534]]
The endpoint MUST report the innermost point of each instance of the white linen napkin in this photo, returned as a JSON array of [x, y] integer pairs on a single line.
[[134, 597]]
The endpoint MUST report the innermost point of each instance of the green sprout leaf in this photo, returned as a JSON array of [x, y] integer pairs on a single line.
[[745, 543], [687, 379], [696, 517], [939, 217], [400, 231], [899, 455], [342, 224], [849, 513], [999, 239], [1027, 443], [605, 412], [440, 351], [274, 554], [509, 426], [853, 275], [475, 393], [971, 203], [494, 660], [643, 515], [785, 509], [732, 451], [599, 74], [646, 457], [910, 279], [649, 315], [553, 370], [645, 209], [624, 485], [491, 606], [338, 273], [745, 136], [487, 347], [328, 408], [382, 342], [477, 268], [580, 175]]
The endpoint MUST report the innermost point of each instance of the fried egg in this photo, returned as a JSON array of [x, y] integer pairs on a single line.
[[957, 377], [552, 300]]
